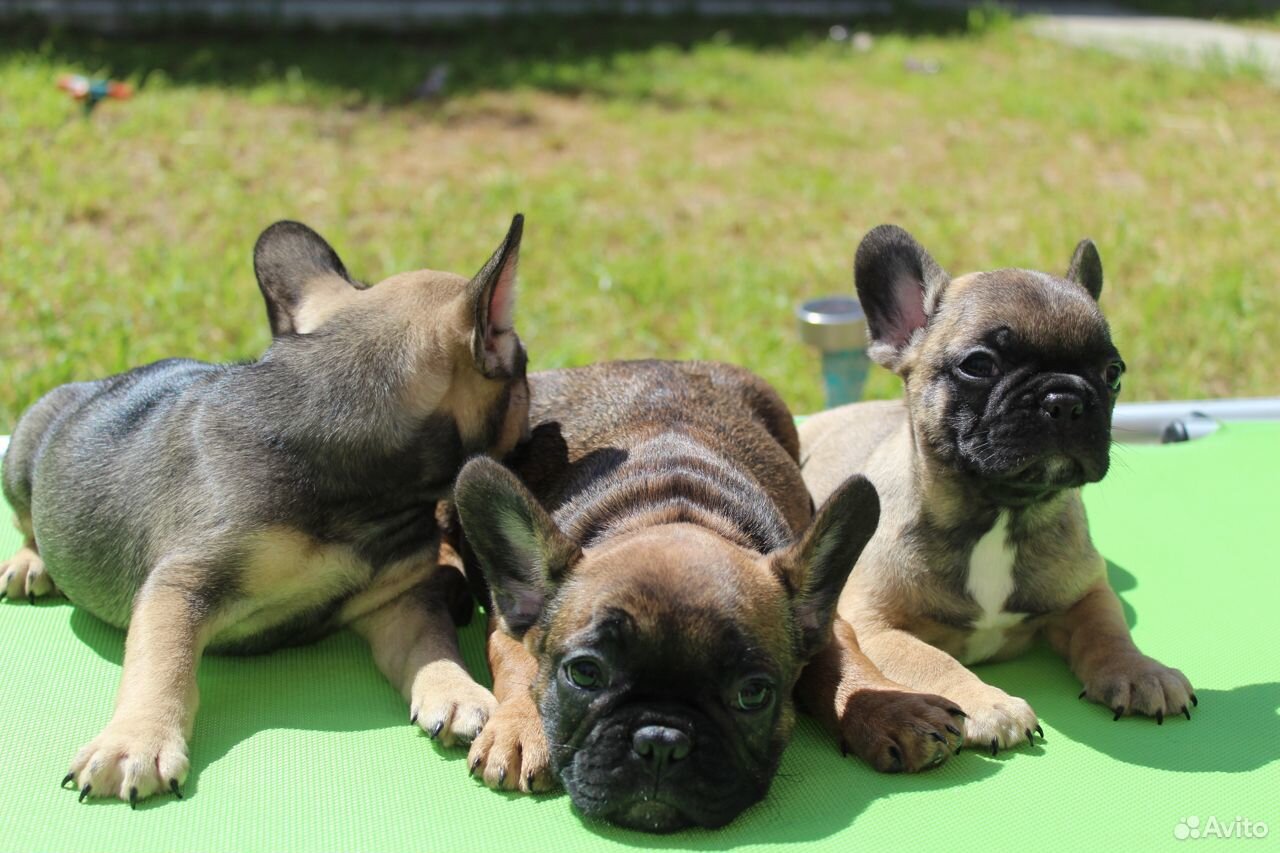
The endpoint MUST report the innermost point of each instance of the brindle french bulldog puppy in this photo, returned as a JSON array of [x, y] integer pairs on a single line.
[[660, 580], [1010, 379], [238, 508]]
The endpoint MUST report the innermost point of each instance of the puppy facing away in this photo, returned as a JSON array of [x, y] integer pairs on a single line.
[[242, 507], [1010, 379], [659, 580]]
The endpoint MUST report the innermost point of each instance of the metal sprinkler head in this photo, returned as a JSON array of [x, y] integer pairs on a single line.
[[837, 327]]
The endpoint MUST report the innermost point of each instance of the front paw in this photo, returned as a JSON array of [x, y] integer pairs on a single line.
[[897, 729], [448, 704], [131, 760], [997, 720], [1136, 684], [511, 753]]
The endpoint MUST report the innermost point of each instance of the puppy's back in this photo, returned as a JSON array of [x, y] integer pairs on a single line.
[[589, 422], [30, 436], [622, 398], [87, 461], [838, 443]]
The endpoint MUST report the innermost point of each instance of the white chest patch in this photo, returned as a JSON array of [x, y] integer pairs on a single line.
[[990, 582]]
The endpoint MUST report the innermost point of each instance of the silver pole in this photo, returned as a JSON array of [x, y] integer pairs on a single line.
[[1182, 420]]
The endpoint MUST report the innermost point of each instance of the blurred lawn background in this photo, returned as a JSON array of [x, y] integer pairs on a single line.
[[686, 182]]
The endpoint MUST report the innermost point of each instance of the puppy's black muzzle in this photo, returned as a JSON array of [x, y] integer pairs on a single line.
[[1074, 420], [658, 767], [1052, 432]]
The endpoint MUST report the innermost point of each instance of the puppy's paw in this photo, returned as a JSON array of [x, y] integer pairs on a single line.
[[448, 704], [997, 720], [1137, 684], [897, 729], [131, 760], [511, 753], [23, 576]]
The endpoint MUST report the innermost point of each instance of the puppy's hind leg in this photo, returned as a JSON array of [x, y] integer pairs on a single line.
[[23, 575], [143, 750], [415, 644]]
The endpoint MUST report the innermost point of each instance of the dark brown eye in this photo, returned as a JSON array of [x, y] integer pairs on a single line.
[[980, 365], [1112, 375]]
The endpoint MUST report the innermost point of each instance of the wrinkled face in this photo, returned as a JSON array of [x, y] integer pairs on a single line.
[[667, 654], [1016, 378], [666, 680]]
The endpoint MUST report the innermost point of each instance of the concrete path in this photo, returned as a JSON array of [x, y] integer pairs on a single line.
[[1183, 40]]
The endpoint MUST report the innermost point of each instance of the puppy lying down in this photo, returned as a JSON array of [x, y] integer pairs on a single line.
[[243, 507], [1010, 379], [660, 582]]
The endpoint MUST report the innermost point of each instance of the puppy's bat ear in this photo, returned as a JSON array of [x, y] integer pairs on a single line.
[[814, 570], [491, 297], [1086, 268], [523, 554], [899, 286], [299, 274]]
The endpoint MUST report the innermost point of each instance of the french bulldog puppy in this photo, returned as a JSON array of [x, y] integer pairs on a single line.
[[1010, 378], [238, 508], [659, 581]]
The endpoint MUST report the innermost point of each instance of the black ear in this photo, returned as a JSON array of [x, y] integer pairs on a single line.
[[292, 263], [492, 295], [815, 569], [1086, 268], [899, 286], [523, 554]]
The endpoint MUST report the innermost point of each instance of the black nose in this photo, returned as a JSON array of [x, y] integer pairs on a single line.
[[1062, 405], [661, 745]]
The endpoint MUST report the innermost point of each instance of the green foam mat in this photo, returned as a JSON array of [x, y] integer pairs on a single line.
[[310, 750]]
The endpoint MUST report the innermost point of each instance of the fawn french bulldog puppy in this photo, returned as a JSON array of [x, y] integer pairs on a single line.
[[659, 580], [242, 507], [1010, 379]]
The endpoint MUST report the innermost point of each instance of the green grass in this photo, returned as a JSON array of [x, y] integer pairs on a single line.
[[685, 184]]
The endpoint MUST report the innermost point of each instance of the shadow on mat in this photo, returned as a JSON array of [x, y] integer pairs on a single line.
[[1236, 730], [1122, 581], [332, 685], [1232, 731]]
